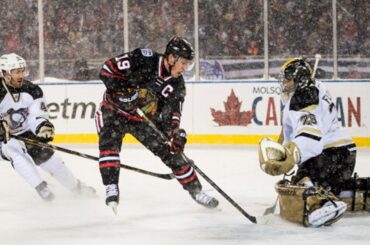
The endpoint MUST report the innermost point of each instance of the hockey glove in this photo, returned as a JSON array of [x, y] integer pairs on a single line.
[[45, 131], [276, 159], [4, 131], [178, 140]]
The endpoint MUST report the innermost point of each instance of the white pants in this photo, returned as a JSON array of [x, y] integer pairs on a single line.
[[15, 150]]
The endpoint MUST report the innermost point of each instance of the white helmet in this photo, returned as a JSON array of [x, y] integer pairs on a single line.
[[9, 62]]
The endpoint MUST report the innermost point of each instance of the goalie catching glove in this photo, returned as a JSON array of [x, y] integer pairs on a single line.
[[276, 159], [45, 131]]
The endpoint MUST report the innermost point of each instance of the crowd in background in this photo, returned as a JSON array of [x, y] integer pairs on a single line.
[[92, 30]]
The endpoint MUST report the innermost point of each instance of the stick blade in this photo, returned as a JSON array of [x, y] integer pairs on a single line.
[[114, 206]]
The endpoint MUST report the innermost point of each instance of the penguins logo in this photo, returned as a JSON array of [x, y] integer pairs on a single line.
[[16, 118]]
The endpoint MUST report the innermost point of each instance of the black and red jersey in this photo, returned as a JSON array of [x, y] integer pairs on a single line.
[[142, 69]]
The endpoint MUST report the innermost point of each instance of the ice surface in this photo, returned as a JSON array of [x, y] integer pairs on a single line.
[[156, 211]]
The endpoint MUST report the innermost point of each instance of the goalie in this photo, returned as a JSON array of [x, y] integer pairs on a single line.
[[322, 188]]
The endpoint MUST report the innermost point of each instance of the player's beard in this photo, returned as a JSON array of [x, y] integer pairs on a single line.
[[17, 84]]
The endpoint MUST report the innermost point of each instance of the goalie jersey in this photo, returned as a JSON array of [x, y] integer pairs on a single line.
[[310, 121], [23, 108]]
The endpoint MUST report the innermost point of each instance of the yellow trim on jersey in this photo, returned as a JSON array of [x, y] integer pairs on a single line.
[[192, 139], [313, 131], [309, 108], [339, 143]]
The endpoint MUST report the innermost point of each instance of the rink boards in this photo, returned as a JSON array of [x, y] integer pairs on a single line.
[[215, 112]]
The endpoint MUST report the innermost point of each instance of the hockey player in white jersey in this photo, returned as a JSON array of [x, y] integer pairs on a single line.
[[23, 112], [314, 141]]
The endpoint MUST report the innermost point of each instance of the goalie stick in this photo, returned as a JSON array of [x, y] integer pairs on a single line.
[[76, 153], [317, 60], [200, 172]]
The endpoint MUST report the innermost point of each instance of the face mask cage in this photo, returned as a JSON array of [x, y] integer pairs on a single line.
[[287, 90], [286, 76]]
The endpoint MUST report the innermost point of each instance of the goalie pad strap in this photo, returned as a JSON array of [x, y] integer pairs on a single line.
[[356, 195]]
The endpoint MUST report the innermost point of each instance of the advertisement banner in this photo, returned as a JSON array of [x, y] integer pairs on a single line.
[[214, 111]]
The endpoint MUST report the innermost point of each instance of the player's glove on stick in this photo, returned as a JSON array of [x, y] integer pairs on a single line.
[[178, 140], [4, 131], [276, 159], [45, 131]]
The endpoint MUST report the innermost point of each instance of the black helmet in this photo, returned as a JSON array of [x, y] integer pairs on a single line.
[[179, 47], [297, 69]]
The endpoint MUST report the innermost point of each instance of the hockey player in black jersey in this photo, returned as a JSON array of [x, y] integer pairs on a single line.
[[154, 83], [23, 113]]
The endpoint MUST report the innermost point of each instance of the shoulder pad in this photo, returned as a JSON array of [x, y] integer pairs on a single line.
[[33, 89], [304, 97]]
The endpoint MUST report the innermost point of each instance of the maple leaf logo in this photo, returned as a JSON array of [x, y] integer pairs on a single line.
[[232, 114]]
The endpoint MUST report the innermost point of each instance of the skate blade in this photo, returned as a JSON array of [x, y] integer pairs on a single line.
[[114, 206]]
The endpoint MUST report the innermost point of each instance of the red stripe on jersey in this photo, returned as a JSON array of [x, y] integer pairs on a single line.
[[188, 179], [160, 69], [175, 122], [111, 66], [109, 164], [177, 114], [98, 120], [104, 73], [109, 152], [182, 171]]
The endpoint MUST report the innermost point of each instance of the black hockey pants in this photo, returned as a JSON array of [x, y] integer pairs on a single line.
[[331, 169], [112, 127]]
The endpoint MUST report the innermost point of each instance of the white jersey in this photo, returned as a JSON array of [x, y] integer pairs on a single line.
[[310, 120], [25, 109]]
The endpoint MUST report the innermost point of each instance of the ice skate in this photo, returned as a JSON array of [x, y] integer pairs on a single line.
[[84, 190], [112, 197], [44, 192], [205, 200]]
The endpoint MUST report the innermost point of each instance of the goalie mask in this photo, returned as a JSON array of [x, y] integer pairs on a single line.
[[294, 72]]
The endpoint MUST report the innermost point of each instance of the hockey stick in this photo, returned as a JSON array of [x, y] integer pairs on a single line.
[[271, 210], [76, 153], [200, 172], [317, 59]]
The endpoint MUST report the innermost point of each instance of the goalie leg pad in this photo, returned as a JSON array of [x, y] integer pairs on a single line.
[[309, 206], [356, 194]]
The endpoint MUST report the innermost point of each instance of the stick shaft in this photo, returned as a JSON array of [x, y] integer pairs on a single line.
[[317, 60], [76, 153], [200, 172]]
